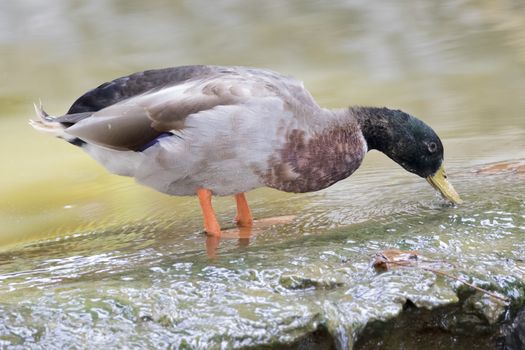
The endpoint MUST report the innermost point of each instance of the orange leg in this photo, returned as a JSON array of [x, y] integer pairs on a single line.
[[211, 225], [244, 215]]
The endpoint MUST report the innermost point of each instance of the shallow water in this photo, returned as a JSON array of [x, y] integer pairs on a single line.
[[92, 258]]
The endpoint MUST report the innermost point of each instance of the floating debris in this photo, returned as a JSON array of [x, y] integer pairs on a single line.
[[395, 258]]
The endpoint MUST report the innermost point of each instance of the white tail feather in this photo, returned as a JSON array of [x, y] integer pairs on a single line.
[[48, 125]]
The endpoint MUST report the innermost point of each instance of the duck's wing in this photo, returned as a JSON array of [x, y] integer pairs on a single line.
[[123, 88], [134, 111]]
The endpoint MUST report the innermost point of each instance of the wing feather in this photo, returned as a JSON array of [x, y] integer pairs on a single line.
[[132, 111], [130, 124], [123, 88]]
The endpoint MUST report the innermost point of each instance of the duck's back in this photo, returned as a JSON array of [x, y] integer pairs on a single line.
[[125, 87], [153, 80]]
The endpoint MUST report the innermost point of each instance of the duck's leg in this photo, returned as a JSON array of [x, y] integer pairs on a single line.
[[211, 225], [244, 215]]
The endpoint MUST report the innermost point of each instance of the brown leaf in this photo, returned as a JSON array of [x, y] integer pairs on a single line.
[[513, 167], [391, 258]]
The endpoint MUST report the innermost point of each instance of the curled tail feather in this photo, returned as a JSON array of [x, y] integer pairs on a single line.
[[48, 124]]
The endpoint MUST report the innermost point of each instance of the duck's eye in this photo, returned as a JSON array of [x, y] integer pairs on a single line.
[[432, 147]]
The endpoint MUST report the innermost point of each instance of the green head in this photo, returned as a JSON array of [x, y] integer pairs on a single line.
[[409, 142]]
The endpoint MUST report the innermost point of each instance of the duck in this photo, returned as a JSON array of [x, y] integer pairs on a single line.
[[222, 131]]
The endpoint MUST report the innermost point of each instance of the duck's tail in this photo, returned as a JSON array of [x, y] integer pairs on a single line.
[[49, 124]]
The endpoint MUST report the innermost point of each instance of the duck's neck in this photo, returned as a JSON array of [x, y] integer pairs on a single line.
[[376, 125]]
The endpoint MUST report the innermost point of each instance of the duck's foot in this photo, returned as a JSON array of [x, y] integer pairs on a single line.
[[211, 225], [244, 216]]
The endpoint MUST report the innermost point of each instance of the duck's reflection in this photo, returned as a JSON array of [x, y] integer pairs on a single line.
[[212, 244], [243, 234]]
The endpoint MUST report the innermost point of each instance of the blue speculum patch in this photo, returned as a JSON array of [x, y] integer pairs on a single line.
[[154, 141]]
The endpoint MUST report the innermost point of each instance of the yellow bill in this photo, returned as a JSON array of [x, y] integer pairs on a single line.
[[439, 182]]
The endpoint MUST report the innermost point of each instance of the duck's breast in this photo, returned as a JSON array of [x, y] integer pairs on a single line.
[[311, 160]]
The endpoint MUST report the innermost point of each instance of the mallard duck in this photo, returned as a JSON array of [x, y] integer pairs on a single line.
[[211, 130]]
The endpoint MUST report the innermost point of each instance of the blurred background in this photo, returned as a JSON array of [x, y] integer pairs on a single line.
[[457, 64]]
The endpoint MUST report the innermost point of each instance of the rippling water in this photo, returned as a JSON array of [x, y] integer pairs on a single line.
[[92, 258], [148, 285]]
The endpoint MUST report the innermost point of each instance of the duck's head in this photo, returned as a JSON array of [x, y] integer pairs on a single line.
[[409, 142]]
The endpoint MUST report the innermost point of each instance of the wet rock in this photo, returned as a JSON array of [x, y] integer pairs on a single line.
[[146, 318], [320, 339], [492, 310], [456, 326], [295, 282], [513, 337]]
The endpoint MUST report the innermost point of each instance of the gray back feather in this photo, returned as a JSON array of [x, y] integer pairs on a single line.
[[129, 112], [123, 88]]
